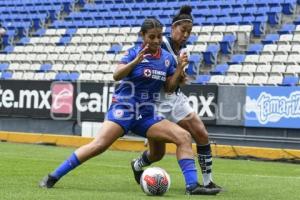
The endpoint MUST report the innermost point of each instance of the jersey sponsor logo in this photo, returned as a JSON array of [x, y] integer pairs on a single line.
[[118, 113], [147, 72]]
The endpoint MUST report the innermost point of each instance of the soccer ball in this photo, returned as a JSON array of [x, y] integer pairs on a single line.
[[155, 181]]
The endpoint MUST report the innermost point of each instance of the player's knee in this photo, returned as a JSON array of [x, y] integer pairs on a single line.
[[97, 148], [185, 137]]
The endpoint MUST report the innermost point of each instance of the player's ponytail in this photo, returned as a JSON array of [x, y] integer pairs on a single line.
[[183, 15]]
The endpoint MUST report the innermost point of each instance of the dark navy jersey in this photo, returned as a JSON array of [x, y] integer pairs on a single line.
[[168, 45], [144, 82]]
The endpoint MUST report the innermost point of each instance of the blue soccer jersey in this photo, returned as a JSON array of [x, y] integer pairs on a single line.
[[147, 78], [133, 101]]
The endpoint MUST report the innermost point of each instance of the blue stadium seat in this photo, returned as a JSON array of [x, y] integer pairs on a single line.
[[194, 64], [227, 44], [62, 76], [4, 66], [192, 39], [70, 31], [254, 49], [115, 49], [270, 39], [289, 7], [202, 79], [45, 67], [290, 80], [220, 69], [74, 76], [64, 40], [237, 59], [287, 29], [24, 40], [8, 49], [211, 53], [6, 75]]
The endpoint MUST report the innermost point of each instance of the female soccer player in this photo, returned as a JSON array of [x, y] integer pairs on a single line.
[[175, 107], [143, 71]]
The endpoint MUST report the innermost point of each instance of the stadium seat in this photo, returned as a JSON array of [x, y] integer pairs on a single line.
[[287, 29], [216, 79], [270, 39], [115, 49], [211, 53], [220, 69], [202, 79], [45, 67], [6, 75], [245, 78], [290, 80], [4, 66], [62, 76], [227, 44], [194, 64], [231, 78], [237, 59], [74, 76], [254, 49], [275, 79]]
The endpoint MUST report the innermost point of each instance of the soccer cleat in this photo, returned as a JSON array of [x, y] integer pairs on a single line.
[[48, 181], [137, 174], [212, 185], [201, 190]]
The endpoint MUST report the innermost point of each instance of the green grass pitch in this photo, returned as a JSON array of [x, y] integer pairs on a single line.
[[109, 177]]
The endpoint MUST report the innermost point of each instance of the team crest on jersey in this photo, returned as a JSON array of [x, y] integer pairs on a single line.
[[147, 73], [167, 63], [118, 113]]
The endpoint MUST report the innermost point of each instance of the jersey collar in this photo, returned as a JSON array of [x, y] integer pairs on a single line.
[[156, 55]]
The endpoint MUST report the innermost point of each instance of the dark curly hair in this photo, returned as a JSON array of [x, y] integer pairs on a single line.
[[183, 15]]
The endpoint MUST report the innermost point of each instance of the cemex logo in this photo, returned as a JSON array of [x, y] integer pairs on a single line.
[[62, 98]]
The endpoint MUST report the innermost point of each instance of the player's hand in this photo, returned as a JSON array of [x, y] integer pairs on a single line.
[[142, 54], [183, 79], [183, 60]]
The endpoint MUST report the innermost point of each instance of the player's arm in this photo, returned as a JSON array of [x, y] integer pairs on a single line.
[[174, 80], [122, 70]]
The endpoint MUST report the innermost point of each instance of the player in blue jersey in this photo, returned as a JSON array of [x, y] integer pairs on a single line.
[[144, 71], [176, 108]]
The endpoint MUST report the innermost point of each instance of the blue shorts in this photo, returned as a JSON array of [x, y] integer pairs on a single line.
[[131, 119]]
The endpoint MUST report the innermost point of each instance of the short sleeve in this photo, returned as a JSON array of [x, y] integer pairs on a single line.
[[172, 66], [128, 56]]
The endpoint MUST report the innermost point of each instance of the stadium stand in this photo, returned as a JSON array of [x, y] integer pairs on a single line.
[[81, 39]]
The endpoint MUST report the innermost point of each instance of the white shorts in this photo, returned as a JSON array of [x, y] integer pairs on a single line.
[[174, 107]]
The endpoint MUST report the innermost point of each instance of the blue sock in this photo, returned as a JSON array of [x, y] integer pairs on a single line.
[[189, 171], [66, 166]]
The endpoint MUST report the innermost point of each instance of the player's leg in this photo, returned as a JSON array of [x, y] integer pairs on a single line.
[[109, 132], [166, 131], [194, 125], [155, 153]]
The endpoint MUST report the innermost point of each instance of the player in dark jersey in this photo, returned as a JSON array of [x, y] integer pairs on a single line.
[[143, 71], [175, 107]]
